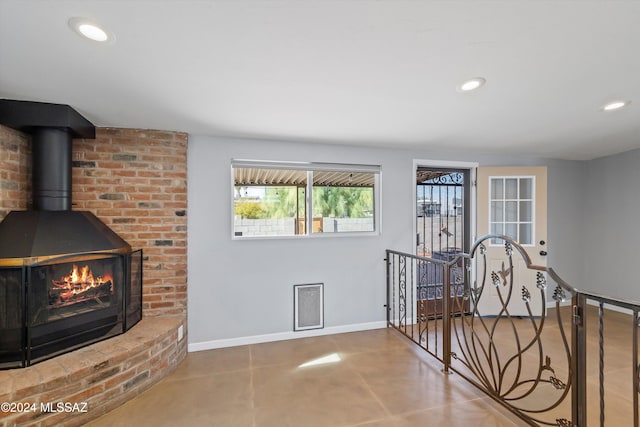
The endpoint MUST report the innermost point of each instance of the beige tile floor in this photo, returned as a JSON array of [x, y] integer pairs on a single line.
[[382, 379]]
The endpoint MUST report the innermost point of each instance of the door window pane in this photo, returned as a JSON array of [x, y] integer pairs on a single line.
[[511, 230], [496, 228], [526, 188], [511, 211], [525, 237], [511, 188], [497, 211], [526, 213], [497, 185]]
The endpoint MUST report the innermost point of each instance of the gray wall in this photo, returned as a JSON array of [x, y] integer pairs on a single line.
[[612, 233], [242, 288], [565, 219]]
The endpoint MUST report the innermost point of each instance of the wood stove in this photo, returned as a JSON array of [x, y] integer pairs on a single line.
[[66, 279], [63, 303]]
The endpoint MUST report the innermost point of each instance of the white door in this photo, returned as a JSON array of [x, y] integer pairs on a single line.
[[512, 201]]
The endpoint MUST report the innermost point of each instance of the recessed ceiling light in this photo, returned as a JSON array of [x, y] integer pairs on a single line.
[[615, 105], [471, 84], [90, 30]]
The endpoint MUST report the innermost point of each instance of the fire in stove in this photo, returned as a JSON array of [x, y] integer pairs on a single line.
[[78, 286]]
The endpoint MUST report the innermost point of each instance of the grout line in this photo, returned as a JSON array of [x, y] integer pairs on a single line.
[[252, 391], [373, 394]]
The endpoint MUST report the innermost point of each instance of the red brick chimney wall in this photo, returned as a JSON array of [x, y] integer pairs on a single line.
[[135, 181], [15, 170]]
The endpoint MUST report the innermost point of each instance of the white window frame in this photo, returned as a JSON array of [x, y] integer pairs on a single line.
[[310, 167], [533, 208]]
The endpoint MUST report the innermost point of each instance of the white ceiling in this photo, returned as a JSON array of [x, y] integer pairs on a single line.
[[357, 72]]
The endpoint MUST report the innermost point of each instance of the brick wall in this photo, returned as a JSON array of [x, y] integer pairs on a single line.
[[133, 180], [15, 170]]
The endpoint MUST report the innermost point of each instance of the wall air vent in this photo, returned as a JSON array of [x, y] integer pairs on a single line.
[[308, 306]]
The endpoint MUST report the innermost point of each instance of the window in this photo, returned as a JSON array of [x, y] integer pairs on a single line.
[[301, 199], [511, 208]]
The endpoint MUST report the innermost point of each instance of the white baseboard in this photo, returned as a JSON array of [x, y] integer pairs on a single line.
[[281, 336]]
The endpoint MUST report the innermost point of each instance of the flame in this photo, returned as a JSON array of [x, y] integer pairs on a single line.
[[83, 278], [80, 285]]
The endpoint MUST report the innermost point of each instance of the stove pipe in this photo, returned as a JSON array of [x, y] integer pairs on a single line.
[[52, 127], [51, 173]]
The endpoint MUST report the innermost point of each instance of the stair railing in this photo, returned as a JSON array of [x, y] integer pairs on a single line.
[[478, 317]]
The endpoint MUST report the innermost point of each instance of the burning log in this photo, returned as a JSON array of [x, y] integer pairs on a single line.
[[79, 285]]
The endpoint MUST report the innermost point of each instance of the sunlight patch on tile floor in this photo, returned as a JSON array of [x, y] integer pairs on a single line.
[[330, 358]]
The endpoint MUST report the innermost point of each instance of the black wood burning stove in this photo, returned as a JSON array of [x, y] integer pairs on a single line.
[[60, 304], [66, 279]]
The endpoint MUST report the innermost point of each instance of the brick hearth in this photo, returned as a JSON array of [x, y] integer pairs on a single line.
[[135, 181], [97, 378]]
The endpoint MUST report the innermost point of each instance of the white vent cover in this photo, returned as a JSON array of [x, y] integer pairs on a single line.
[[308, 306]]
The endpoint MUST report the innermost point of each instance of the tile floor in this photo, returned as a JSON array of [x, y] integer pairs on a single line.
[[381, 379]]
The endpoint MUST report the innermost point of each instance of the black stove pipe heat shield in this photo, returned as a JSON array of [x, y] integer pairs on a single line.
[[52, 128], [52, 228], [51, 156]]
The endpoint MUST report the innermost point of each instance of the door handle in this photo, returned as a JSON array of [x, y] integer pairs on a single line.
[[543, 253]]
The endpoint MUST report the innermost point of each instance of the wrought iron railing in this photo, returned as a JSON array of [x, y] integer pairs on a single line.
[[479, 316]]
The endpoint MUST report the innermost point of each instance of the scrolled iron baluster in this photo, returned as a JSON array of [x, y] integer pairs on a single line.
[[557, 383], [477, 348], [467, 337], [559, 295], [456, 274], [541, 281], [422, 324], [473, 347], [402, 288], [508, 248], [517, 382], [495, 279]]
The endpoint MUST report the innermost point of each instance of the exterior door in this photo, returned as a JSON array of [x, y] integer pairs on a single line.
[[442, 232], [512, 201]]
